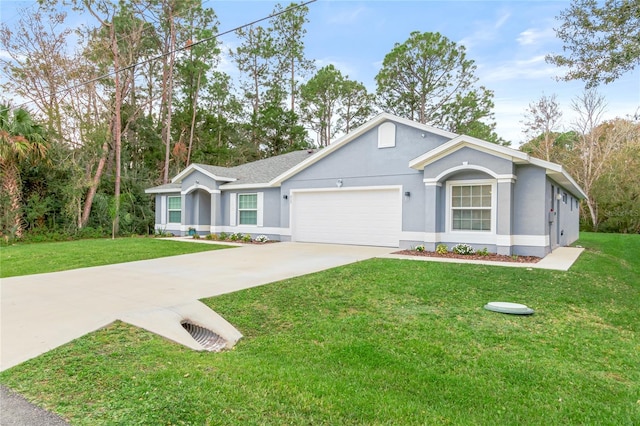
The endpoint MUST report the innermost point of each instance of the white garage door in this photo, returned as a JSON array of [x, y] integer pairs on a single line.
[[348, 216]]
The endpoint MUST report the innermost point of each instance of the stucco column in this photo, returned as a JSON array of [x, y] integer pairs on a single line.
[[215, 211], [504, 217], [183, 214], [431, 199]]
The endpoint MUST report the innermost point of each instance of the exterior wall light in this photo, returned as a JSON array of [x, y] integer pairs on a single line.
[[407, 194], [285, 196], [339, 183]]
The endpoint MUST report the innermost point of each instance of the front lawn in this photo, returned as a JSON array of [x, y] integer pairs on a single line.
[[26, 259], [383, 341]]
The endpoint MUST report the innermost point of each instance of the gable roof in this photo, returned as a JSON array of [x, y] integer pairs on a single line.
[[255, 174], [339, 143], [262, 172], [163, 189], [555, 171]]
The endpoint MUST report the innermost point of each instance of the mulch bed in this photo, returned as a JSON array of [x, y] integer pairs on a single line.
[[489, 257]]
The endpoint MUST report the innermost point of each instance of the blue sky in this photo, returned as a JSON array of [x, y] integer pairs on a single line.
[[507, 39]]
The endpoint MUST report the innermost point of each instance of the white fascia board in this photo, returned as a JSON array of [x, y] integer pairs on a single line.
[[338, 143], [463, 141], [230, 186], [161, 190], [194, 167]]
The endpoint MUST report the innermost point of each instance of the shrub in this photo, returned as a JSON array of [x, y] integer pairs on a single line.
[[419, 248], [235, 237], [262, 238], [442, 249], [246, 238], [464, 249], [196, 236], [213, 237], [224, 236], [483, 252]]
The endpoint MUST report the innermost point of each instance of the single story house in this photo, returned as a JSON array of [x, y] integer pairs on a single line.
[[391, 182]]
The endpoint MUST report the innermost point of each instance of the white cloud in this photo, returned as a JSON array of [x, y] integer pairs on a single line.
[[535, 36], [487, 30], [518, 69], [347, 16]]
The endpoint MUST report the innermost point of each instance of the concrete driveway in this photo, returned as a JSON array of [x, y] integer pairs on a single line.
[[42, 312]]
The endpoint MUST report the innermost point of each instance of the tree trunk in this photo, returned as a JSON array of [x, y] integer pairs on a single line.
[[11, 187], [168, 96], [88, 202], [117, 131], [193, 119]]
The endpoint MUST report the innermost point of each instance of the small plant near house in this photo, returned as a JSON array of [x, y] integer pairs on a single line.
[[442, 249], [236, 236], [196, 236], [246, 238], [212, 237], [483, 252], [162, 233], [419, 248], [261, 239], [464, 249], [223, 236]]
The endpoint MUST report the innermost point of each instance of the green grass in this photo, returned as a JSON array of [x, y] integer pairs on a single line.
[[26, 259], [378, 342]]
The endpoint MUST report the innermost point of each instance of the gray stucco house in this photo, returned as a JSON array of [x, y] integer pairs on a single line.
[[391, 182]]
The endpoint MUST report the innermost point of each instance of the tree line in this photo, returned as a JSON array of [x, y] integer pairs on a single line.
[[137, 92]]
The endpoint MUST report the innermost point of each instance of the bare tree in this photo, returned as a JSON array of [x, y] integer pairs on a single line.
[[542, 120], [591, 150]]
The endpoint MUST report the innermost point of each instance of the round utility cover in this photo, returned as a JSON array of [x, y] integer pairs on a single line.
[[509, 308]]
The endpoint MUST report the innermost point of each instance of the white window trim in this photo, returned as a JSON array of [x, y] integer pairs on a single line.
[[163, 209], [259, 210], [494, 206], [173, 210]]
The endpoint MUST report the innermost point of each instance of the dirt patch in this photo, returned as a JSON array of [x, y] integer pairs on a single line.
[[492, 257]]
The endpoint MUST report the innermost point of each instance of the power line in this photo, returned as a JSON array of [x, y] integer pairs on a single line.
[[155, 58]]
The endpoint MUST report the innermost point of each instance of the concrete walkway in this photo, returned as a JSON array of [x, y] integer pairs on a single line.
[[561, 259], [42, 312]]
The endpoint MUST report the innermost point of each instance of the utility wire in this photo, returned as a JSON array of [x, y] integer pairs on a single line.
[[155, 58]]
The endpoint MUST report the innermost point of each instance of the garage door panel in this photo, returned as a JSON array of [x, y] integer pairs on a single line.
[[363, 217]]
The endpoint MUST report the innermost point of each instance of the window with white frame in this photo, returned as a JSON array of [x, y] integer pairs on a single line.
[[247, 209], [174, 207], [471, 207]]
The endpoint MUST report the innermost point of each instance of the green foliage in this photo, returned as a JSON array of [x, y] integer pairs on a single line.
[[483, 252], [600, 40], [27, 259], [419, 248], [261, 238], [442, 249], [429, 79], [464, 249], [246, 238], [331, 103]]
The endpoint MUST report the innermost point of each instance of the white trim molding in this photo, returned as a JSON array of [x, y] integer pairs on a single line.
[[194, 167], [494, 209], [251, 229], [530, 240], [198, 186], [349, 188]]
